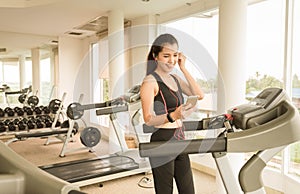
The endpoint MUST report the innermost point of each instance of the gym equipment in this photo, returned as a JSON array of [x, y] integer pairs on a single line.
[[33, 101], [19, 111], [46, 110], [266, 125], [28, 110], [3, 127], [24, 93], [21, 126], [38, 121], [90, 136], [11, 126], [22, 98], [37, 110], [66, 124], [82, 170], [54, 105], [124, 163], [2, 113], [9, 111], [76, 110], [20, 176], [73, 128]]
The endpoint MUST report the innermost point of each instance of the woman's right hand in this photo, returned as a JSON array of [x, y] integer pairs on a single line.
[[182, 112]]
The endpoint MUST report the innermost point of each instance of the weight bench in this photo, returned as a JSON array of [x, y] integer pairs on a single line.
[[35, 134]]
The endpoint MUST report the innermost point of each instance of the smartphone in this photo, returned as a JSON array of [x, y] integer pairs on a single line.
[[192, 100]]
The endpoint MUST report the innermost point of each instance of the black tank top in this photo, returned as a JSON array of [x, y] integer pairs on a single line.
[[166, 100]]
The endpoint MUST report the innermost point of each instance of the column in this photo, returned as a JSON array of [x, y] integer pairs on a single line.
[[232, 65], [54, 72], [116, 73], [116, 52], [22, 69], [35, 57]]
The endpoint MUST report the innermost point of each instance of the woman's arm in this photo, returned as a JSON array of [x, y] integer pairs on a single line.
[[190, 87], [149, 89]]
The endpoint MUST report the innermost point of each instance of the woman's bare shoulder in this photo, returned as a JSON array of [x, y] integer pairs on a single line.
[[149, 79], [149, 83]]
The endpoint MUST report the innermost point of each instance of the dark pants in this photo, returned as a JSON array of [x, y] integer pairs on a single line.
[[164, 169]]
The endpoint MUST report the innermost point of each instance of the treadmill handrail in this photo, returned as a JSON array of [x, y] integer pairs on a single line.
[[189, 125], [174, 148], [112, 109]]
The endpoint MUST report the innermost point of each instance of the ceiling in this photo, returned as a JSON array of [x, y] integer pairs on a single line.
[[27, 24]]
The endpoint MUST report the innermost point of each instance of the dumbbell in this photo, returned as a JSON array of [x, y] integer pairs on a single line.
[[54, 105], [6, 122], [19, 111], [16, 121], [2, 113], [37, 110], [48, 122], [28, 110], [21, 126], [9, 111], [22, 98], [46, 110], [39, 123], [12, 126], [2, 127], [33, 101], [30, 124], [25, 120]]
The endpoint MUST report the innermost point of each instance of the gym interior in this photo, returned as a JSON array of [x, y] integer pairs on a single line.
[[70, 117]]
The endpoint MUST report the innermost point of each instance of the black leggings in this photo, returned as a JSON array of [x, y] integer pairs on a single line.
[[164, 169]]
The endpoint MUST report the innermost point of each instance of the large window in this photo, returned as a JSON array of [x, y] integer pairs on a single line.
[[46, 82], [10, 80], [265, 35], [28, 72], [294, 151], [198, 40]]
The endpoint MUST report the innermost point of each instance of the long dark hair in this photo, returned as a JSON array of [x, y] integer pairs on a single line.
[[157, 47]]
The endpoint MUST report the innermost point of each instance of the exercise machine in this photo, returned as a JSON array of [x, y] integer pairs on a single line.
[[94, 170], [17, 175], [265, 126]]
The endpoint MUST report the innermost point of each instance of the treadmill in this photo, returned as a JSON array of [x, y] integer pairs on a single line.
[[124, 163], [265, 126]]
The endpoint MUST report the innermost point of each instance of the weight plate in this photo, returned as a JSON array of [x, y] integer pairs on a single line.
[[90, 136]]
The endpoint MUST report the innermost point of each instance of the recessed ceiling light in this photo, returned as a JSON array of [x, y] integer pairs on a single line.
[[145, 0]]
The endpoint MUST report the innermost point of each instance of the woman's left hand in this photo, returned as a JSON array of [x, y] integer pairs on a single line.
[[181, 60]]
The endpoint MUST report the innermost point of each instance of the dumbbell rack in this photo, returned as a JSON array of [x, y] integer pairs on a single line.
[[45, 131], [14, 122]]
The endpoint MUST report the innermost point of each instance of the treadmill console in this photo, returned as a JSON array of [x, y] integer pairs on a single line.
[[265, 100], [133, 94]]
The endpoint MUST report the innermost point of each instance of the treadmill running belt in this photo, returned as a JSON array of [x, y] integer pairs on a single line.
[[80, 170]]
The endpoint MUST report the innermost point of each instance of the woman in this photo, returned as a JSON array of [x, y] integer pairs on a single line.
[[162, 104]]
